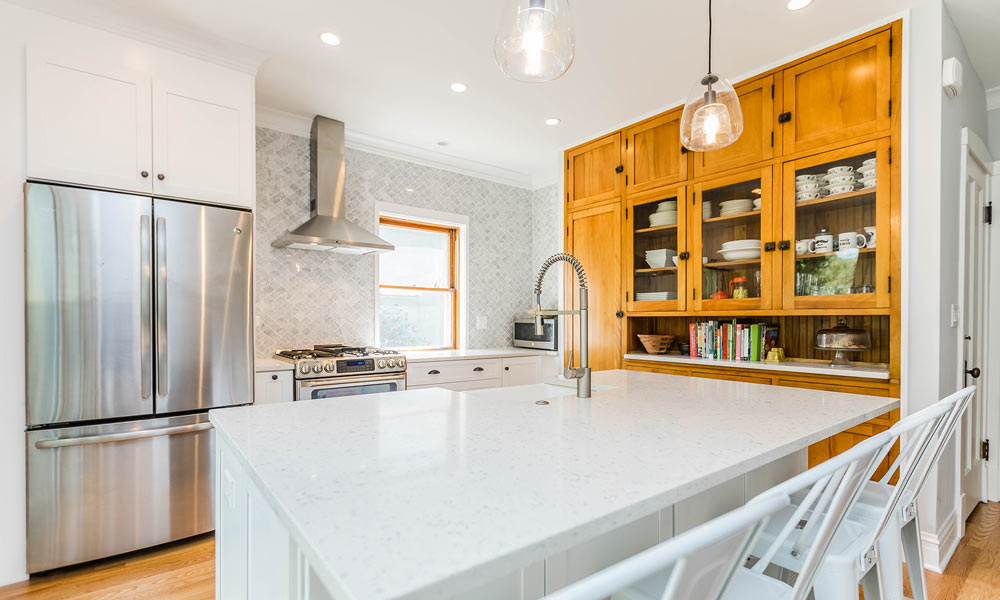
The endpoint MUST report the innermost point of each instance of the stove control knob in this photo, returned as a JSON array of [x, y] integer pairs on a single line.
[[401, 362], [392, 363], [304, 369], [317, 368], [328, 367], [381, 363]]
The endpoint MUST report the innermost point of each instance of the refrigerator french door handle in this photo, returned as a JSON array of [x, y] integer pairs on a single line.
[[146, 304], [120, 437], [162, 358]]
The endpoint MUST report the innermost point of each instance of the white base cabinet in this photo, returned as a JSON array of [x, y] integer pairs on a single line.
[[257, 558], [474, 374], [273, 386]]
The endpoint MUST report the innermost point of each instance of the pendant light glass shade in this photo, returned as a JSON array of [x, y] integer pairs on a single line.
[[712, 118], [535, 41]]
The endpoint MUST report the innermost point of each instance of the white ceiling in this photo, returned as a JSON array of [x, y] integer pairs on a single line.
[[390, 78], [979, 23]]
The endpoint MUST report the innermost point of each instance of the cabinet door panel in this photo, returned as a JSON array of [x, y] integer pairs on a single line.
[[756, 143], [653, 154], [592, 174], [839, 95], [200, 136], [87, 123], [594, 237], [523, 370]]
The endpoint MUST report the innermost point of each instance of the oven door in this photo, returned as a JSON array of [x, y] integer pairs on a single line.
[[340, 387]]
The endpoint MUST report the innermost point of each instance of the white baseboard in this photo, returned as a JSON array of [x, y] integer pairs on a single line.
[[938, 548]]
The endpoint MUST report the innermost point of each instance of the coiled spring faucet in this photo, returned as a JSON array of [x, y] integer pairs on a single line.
[[581, 374]]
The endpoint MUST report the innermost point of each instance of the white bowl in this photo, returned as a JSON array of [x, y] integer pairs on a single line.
[[839, 170], [841, 189], [734, 244], [756, 203], [657, 264], [740, 253]]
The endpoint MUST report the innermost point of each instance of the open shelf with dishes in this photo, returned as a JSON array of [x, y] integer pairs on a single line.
[[656, 254], [835, 206]]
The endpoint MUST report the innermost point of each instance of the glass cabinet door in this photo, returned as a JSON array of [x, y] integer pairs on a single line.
[[656, 246], [836, 228], [732, 215]]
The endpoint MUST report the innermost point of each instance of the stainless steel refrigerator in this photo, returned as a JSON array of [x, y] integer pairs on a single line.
[[138, 318]]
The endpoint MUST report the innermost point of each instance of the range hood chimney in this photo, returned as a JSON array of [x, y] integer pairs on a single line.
[[328, 228]]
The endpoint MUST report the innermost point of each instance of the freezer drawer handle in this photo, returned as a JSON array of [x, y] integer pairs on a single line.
[[120, 437]]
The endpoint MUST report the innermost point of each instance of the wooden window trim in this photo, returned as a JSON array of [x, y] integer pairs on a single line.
[[452, 233]]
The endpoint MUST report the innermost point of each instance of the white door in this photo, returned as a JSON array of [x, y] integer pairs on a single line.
[[974, 297], [202, 141], [88, 122]]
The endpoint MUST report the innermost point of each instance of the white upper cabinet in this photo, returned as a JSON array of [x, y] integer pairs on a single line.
[[89, 123], [200, 136], [157, 123]]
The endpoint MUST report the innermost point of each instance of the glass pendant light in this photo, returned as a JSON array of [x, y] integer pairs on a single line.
[[712, 118], [535, 41]]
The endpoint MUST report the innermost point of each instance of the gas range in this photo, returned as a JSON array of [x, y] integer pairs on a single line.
[[336, 360]]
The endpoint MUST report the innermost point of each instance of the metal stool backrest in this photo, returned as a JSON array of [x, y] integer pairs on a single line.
[[699, 563], [833, 488]]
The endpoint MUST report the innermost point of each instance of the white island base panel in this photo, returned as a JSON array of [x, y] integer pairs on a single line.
[[487, 494]]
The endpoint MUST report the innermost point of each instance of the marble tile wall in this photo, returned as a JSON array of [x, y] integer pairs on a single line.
[[547, 238], [304, 297]]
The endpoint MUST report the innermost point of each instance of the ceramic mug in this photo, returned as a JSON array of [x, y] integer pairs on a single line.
[[823, 242], [799, 179], [803, 196], [801, 247], [870, 236], [811, 186], [851, 240]]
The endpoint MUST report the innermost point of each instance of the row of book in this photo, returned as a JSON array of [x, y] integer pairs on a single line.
[[737, 340]]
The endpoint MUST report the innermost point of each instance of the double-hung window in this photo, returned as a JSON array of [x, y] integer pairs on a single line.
[[418, 291]]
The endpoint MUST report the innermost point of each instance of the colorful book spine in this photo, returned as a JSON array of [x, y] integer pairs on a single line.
[[692, 339]]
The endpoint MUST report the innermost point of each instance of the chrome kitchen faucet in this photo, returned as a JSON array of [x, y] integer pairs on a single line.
[[582, 374]]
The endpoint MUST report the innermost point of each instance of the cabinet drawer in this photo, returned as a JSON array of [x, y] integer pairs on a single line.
[[435, 373]]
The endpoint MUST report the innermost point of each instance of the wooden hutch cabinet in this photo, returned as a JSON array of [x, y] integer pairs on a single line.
[[655, 226]]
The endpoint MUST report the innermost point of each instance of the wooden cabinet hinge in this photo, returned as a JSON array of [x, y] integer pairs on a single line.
[[890, 107], [772, 139], [567, 232], [567, 163], [567, 197], [626, 296], [890, 45], [626, 212], [890, 155], [988, 213], [772, 91], [985, 451], [626, 179], [890, 284], [692, 293], [626, 143]]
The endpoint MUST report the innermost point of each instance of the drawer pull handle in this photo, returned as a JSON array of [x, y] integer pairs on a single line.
[[433, 372], [478, 369], [274, 377]]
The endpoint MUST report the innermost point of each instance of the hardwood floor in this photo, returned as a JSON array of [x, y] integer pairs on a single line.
[[185, 570]]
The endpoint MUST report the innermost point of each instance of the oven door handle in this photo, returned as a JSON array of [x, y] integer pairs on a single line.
[[345, 381]]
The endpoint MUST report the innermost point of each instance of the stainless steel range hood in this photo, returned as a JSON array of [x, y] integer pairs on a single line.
[[328, 228]]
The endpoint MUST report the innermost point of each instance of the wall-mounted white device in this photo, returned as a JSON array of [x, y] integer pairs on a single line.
[[951, 77]]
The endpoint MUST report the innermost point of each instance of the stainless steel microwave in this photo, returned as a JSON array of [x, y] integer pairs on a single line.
[[525, 336]]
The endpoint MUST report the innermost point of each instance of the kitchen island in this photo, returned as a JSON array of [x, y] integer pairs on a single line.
[[498, 493]]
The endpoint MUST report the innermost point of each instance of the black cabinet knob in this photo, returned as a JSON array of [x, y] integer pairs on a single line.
[[619, 169], [506, 368], [784, 245], [974, 372], [683, 256], [768, 246], [161, 176], [274, 377], [619, 314], [144, 174]]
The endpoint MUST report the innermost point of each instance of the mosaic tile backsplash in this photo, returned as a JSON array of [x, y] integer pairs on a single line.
[[304, 297]]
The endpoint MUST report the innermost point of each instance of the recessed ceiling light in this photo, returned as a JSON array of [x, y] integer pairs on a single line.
[[442, 143], [459, 87], [330, 39], [409, 189], [552, 121], [797, 4]]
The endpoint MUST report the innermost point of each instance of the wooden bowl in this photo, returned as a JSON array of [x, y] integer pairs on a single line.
[[656, 344]]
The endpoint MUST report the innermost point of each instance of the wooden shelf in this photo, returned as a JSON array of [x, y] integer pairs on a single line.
[[837, 198], [752, 213], [822, 254], [728, 264], [655, 229], [654, 271]]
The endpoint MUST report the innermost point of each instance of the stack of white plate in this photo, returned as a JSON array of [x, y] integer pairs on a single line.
[[740, 250], [735, 207], [706, 209], [657, 259], [667, 206], [655, 296], [662, 218], [867, 172]]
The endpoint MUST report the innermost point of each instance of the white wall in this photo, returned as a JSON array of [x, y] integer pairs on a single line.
[[993, 139]]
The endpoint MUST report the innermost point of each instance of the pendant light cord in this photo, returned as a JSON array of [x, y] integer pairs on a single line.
[[709, 36]]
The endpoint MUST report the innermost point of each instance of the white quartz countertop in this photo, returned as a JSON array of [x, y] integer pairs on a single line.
[[791, 366], [436, 355], [429, 493], [261, 364]]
